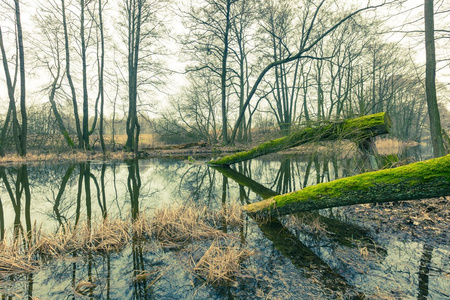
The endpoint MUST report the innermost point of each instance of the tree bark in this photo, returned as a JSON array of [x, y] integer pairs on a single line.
[[430, 82], [23, 108], [419, 180], [134, 38], [101, 75], [358, 129], [84, 72]]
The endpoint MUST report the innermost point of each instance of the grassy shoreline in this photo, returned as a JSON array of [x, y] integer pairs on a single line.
[[384, 147]]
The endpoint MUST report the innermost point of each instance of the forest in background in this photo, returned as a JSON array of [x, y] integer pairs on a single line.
[[216, 71]]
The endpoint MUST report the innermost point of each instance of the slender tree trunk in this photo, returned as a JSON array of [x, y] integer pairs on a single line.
[[223, 76], [430, 82], [134, 23], [84, 72], [23, 108], [100, 80], [59, 120], [12, 102], [4, 131]]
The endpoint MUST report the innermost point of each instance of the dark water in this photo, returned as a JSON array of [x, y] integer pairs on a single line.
[[292, 260]]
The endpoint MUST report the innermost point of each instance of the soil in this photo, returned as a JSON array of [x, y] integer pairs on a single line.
[[424, 221]]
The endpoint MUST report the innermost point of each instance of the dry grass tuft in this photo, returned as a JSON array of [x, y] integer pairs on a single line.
[[179, 225], [13, 263], [83, 288], [231, 214], [172, 226], [109, 236], [142, 227], [105, 236], [221, 262]]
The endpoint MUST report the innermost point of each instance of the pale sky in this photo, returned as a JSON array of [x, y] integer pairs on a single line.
[[411, 10]]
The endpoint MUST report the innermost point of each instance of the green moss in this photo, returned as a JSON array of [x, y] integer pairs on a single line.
[[412, 175], [378, 119], [358, 129]]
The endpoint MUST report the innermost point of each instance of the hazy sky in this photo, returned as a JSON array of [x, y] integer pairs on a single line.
[[411, 10]]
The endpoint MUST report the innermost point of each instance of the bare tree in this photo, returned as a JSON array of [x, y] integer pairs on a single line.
[[19, 130], [69, 75], [48, 54], [143, 29], [209, 39], [309, 39]]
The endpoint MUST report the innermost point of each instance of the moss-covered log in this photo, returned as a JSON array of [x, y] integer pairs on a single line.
[[358, 129], [419, 180], [343, 233]]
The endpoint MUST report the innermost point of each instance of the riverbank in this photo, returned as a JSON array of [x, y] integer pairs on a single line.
[[196, 150]]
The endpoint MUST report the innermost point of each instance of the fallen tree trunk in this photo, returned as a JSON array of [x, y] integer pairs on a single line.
[[342, 233], [419, 180], [358, 129]]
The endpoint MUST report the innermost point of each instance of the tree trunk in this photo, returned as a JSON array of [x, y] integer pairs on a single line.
[[134, 23], [101, 73], [85, 87], [59, 120], [358, 129], [419, 180], [430, 82], [12, 102], [23, 108], [223, 76]]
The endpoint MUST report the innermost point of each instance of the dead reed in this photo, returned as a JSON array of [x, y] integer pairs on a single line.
[[221, 263], [172, 226], [392, 146], [13, 260], [178, 225]]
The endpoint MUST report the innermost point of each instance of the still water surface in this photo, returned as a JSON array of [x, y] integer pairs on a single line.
[[289, 261]]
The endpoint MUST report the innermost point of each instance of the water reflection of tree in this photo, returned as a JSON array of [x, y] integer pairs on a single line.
[[58, 198], [134, 185], [21, 188], [284, 241], [424, 272], [200, 182], [2, 222]]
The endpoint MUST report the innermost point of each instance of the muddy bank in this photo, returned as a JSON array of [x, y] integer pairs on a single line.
[[423, 221]]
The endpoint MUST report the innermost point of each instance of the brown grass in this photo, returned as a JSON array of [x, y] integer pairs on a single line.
[[392, 146], [74, 156], [221, 262], [178, 225], [173, 226]]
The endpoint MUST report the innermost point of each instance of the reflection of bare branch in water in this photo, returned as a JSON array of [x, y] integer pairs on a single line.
[[57, 203], [287, 243], [199, 181], [21, 187]]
